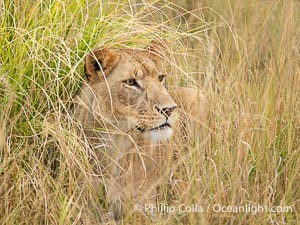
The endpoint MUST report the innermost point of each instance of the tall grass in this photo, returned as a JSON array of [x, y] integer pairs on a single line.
[[243, 54]]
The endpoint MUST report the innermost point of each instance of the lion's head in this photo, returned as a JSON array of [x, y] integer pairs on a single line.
[[129, 91]]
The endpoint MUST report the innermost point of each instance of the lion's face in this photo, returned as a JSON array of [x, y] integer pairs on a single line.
[[130, 88]]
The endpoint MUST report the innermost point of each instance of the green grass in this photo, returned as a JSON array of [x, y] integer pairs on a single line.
[[243, 54]]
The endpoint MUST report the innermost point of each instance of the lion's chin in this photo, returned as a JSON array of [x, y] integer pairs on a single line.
[[158, 135]]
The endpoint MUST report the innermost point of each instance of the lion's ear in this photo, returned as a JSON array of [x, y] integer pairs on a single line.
[[158, 48], [99, 63]]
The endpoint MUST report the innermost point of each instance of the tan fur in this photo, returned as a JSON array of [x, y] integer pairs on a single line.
[[134, 161]]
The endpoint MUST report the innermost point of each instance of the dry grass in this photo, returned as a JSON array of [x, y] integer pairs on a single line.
[[243, 54]]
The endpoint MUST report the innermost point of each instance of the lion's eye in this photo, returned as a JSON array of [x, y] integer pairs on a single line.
[[132, 82], [161, 78]]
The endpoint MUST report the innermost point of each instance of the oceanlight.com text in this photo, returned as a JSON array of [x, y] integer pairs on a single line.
[[216, 208]]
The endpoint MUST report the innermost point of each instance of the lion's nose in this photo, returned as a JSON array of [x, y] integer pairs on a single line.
[[167, 111]]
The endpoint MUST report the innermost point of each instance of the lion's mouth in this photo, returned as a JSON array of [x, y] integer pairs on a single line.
[[161, 127], [157, 134]]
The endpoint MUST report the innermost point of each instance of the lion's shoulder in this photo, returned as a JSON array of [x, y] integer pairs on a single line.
[[192, 111], [192, 101]]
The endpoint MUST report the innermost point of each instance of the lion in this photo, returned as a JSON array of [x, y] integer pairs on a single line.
[[131, 119]]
